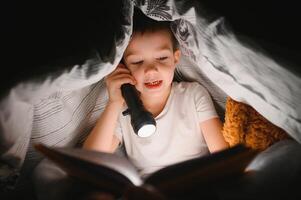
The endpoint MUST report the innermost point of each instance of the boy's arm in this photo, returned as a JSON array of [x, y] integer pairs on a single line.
[[102, 137], [212, 132]]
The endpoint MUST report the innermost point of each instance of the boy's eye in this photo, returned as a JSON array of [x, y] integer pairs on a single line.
[[137, 62], [162, 58]]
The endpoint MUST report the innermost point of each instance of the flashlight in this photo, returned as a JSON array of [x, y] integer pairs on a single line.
[[142, 121]]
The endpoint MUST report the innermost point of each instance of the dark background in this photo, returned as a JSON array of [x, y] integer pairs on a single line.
[[46, 37]]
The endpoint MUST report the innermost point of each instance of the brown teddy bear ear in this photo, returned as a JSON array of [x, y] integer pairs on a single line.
[[244, 125]]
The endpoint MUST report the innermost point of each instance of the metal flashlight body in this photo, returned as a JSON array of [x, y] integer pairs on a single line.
[[143, 122]]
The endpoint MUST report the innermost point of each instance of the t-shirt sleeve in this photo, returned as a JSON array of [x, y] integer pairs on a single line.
[[118, 131], [203, 102]]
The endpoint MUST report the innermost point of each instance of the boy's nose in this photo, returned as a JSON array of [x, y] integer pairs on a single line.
[[150, 67]]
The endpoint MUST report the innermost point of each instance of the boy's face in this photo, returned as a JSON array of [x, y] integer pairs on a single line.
[[151, 59]]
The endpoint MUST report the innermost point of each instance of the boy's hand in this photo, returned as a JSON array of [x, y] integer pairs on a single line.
[[118, 77]]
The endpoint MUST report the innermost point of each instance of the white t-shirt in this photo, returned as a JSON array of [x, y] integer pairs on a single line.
[[178, 136]]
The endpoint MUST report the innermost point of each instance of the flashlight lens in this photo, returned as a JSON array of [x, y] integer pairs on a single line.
[[147, 130]]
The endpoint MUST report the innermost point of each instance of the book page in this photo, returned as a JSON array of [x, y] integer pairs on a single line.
[[113, 162], [213, 168]]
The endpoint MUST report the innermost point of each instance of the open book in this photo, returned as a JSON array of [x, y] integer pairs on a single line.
[[116, 174]]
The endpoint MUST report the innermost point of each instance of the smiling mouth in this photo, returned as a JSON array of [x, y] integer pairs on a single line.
[[153, 84]]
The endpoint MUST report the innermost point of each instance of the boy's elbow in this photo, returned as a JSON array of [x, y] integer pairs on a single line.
[[107, 147], [222, 145]]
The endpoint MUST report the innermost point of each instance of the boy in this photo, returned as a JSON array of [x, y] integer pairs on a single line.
[[187, 124]]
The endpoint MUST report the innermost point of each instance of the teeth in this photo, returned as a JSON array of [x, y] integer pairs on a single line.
[[153, 83]]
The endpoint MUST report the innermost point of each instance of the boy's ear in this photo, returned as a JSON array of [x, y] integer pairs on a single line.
[[177, 55]]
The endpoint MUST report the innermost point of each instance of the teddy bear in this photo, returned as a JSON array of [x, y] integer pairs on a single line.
[[244, 125]]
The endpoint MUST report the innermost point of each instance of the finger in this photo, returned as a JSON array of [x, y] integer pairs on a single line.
[[119, 75], [120, 71], [121, 79], [120, 82], [121, 65], [123, 76]]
